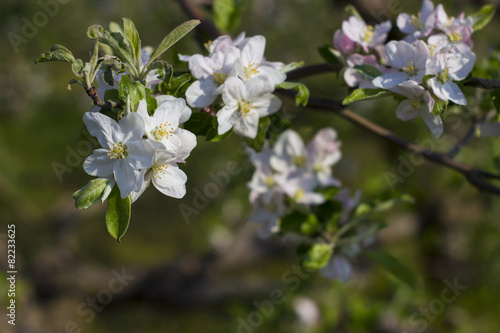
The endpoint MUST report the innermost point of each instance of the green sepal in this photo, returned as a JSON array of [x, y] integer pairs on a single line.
[[366, 95]]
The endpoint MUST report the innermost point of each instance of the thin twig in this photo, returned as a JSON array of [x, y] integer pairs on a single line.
[[483, 83], [98, 101]]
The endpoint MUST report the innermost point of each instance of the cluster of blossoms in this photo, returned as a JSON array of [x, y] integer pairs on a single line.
[[140, 149], [292, 171], [237, 71], [422, 69]]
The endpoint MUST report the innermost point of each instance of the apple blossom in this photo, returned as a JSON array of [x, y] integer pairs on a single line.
[[245, 103], [367, 36], [352, 77], [124, 153], [408, 59], [418, 27]]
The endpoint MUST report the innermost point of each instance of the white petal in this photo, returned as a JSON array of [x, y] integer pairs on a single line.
[[234, 91], [266, 105], [226, 118], [434, 123], [253, 52], [126, 177], [102, 127], [406, 112], [201, 93], [258, 86], [453, 92], [274, 74], [99, 164], [141, 154], [132, 127], [201, 67], [390, 80], [247, 126], [188, 143]]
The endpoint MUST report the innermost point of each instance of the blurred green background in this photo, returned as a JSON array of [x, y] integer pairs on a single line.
[[206, 275]]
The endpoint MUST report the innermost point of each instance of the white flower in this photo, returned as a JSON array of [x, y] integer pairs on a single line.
[[365, 35], [301, 189], [289, 153], [436, 43], [211, 74], [410, 60], [245, 103], [418, 27], [172, 144], [419, 103], [252, 63], [323, 151], [352, 77], [458, 30], [449, 65], [124, 154]]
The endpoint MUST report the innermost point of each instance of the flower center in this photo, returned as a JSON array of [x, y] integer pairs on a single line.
[[417, 22], [443, 76], [369, 32], [219, 76], [415, 103], [118, 151], [410, 68], [245, 107], [160, 169], [299, 161], [269, 181], [455, 37], [251, 70], [165, 130], [299, 194]]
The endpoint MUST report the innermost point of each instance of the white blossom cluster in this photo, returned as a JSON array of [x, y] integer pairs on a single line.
[[291, 170], [237, 71], [437, 47]]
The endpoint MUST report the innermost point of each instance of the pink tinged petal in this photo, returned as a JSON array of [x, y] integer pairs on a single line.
[[489, 130], [102, 127], [259, 86], [407, 112], [126, 177], [352, 77], [266, 105], [132, 127], [141, 154], [226, 118], [410, 89], [201, 93], [234, 91], [442, 17], [427, 9], [99, 164], [247, 126]]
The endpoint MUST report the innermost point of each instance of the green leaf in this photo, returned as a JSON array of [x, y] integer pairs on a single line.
[[440, 106], [199, 123], [135, 90], [78, 67], [56, 53], [393, 266], [482, 17], [115, 40], [117, 214], [90, 194], [299, 222], [173, 37], [303, 93], [177, 85], [369, 72], [365, 95], [331, 56], [258, 142], [318, 256], [133, 38], [291, 66], [152, 103], [227, 14], [213, 133], [165, 70]]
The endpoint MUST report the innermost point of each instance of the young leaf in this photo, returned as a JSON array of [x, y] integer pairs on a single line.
[[291, 66], [173, 37], [303, 93], [227, 14], [117, 214], [369, 72], [351, 10], [482, 17], [56, 53], [393, 266], [258, 142], [133, 38], [331, 56], [135, 90], [90, 194], [365, 95], [440, 106], [318, 256], [115, 40]]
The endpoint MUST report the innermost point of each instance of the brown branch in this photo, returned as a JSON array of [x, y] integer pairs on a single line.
[[473, 175], [98, 101], [483, 83], [194, 12], [311, 70]]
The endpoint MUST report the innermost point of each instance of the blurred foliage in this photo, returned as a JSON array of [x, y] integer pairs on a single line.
[[451, 232]]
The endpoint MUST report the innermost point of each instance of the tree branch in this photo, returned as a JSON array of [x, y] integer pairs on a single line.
[[98, 101], [194, 12], [483, 83]]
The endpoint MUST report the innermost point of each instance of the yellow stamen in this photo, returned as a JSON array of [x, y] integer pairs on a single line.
[[299, 160], [219, 76], [164, 130], [118, 151], [410, 69], [245, 108], [369, 32], [251, 70], [160, 169]]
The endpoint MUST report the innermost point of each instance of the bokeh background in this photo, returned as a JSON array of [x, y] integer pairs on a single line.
[[207, 273]]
